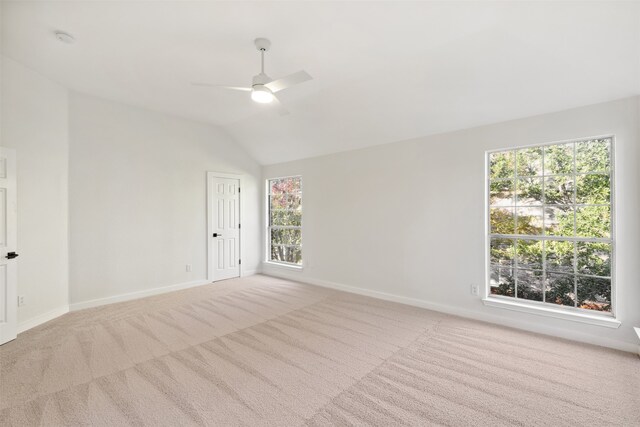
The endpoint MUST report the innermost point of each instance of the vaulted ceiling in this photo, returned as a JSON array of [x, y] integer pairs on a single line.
[[383, 71]]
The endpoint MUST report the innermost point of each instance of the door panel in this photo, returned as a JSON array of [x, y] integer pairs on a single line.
[[224, 228], [8, 268]]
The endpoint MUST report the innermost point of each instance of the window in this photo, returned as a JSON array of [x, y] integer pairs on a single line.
[[285, 220], [550, 224]]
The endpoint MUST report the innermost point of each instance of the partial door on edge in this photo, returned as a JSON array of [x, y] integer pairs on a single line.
[[8, 241], [224, 227]]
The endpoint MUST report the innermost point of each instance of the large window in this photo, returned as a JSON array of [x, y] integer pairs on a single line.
[[285, 220], [550, 224]]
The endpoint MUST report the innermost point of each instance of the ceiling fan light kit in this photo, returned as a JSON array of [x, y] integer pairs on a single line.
[[263, 87], [261, 94]]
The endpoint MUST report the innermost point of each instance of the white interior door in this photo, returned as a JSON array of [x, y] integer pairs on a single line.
[[224, 227], [8, 241]]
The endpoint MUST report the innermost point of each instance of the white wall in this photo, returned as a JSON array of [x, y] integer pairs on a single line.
[[407, 219], [35, 123], [138, 199]]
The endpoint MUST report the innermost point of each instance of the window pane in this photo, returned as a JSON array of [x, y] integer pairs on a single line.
[[502, 251], [502, 221], [501, 193], [558, 221], [558, 190], [593, 221], [286, 218], [594, 258], [291, 254], [593, 156], [593, 189], [529, 192], [286, 201], [529, 221], [278, 201], [529, 284], [501, 165], [594, 293], [529, 254], [560, 289], [284, 185], [286, 236], [285, 210], [558, 159], [559, 255], [501, 281], [529, 161]]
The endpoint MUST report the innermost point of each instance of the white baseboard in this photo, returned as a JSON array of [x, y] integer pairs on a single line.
[[42, 318], [449, 309], [246, 273], [135, 295]]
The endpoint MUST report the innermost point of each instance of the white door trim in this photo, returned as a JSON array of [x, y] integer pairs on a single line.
[[210, 176], [9, 312]]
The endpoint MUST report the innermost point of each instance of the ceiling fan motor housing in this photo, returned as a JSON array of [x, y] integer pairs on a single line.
[[261, 79], [262, 44]]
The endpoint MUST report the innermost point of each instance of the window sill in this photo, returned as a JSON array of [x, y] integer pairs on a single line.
[[282, 265], [591, 319]]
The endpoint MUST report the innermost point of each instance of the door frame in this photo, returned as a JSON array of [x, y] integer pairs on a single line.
[[10, 332], [210, 176]]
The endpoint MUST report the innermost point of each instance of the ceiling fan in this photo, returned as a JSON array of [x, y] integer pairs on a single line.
[[264, 88]]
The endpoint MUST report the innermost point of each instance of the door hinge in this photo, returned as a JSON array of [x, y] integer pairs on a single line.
[[239, 226], [238, 189], [239, 261]]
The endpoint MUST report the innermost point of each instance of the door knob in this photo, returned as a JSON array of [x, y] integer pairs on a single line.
[[11, 255], [217, 235]]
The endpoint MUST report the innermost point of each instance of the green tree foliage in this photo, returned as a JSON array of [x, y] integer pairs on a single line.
[[576, 202], [561, 289], [593, 221], [594, 293], [593, 156], [559, 190], [529, 192], [502, 165], [285, 219], [559, 256], [558, 159], [529, 161], [530, 284]]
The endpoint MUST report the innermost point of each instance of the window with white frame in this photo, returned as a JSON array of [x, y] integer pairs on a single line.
[[285, 220], [550, 224]]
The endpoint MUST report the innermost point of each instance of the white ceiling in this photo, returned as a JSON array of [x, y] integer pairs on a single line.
[[383, 71]]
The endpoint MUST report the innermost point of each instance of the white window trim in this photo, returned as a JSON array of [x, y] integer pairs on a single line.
[[267, 258], [535, 307], [596, 318], [286, 265]]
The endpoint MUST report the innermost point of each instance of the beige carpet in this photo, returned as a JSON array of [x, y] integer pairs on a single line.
[[263, 351]]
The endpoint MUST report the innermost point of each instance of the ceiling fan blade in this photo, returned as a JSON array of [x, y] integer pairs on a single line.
[[279, 107], [288, 81], [244, 89]]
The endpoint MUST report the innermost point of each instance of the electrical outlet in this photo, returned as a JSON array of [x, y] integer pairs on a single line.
[[475, 290], [188, 268], [21, 300]]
